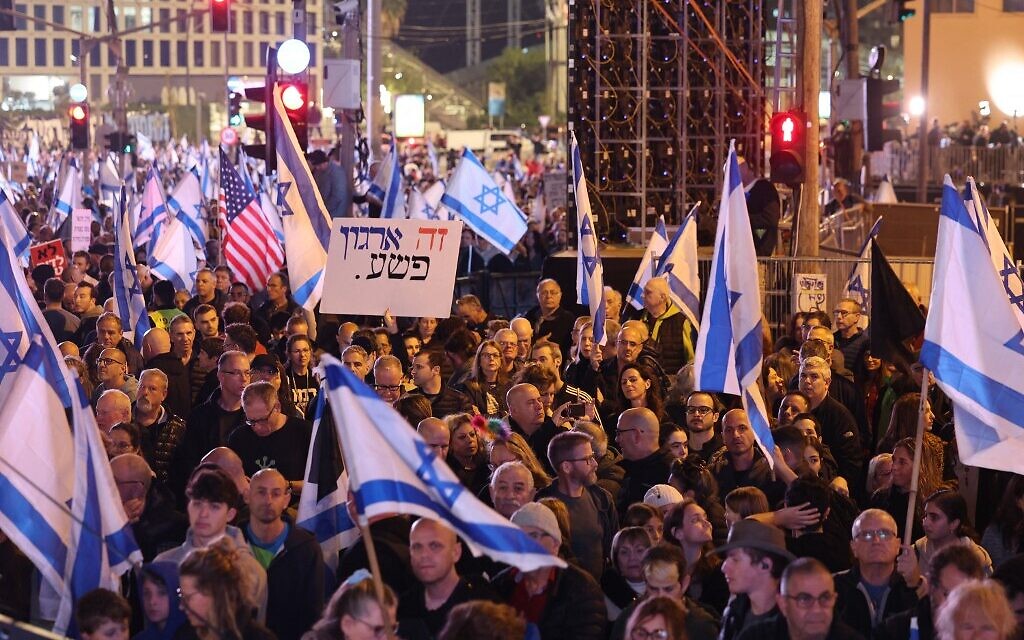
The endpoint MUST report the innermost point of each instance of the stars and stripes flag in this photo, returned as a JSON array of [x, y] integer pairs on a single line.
[[250, 247]]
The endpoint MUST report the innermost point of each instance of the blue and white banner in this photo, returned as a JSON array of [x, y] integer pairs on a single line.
[[479, 202], [387, 185], [648, 263], [102, 546], [858, 283], [174, 256], [110, 180], [152, 213], [589, 269], [266, 193], [729, 345], [128, 299], [323, 506], [426, 205], [306, 222], [973, 342], [1003, 263], [392, 470], [679, 266], [15, 228], [186, 201], [69, 196]]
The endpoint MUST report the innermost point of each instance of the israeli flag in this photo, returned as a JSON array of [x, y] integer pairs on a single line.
[[323, 506], [102, 545], [128, 299], [392, 470], [387, 185], [16, 231], [679, 266], [207, 179], [152, 213], [858, 283], [729, 344], [110, 180], [655, 249], [306, 222], [243, 169], [474, 197], [1001, 259], [973, 342], [589, 269], [432, 158], [425, 205], [174, 256], [186, 202], [70, 195], [265, 194]]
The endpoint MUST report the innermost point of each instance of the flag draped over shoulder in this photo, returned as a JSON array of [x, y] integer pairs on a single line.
[[250, 247], [655, 249], [678, 265], [307, 225], [323, 507], [729, 345], [858, 283], [387, 185], [973, 342], [589, 269], [473, 196], [128, 299], [392, 470], [895, 316]]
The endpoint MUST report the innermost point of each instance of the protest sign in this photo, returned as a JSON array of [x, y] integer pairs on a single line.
[[81, 229], [51, 253], [407, 266], [810, 292]]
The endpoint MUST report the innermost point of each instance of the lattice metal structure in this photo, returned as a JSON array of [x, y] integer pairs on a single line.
[[655, 95]]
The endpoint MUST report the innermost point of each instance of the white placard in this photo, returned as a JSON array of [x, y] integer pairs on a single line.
[[81, 229], [407, 266], [811, 292]]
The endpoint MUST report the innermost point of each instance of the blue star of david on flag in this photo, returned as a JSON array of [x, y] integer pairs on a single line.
[[482, 199], [282, 198], [427, 472], [10, 341]]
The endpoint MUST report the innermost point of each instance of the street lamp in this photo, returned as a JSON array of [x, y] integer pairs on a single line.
[[916, 106], [293, 56]]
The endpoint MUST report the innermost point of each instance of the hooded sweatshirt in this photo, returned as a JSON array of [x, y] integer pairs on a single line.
[[167, 573]]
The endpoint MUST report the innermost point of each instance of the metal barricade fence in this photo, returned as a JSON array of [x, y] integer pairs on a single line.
[[502, 294]]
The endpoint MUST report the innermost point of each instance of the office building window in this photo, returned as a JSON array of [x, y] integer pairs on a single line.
[[165, 53], [4, 60], [165, 24], [39, 11], [312, 54], [263, 52], [21, 24], [952, 6], [264, 23], [198, 24], [279, 20], [40, 52], [60, 58], [215, 54], [247, 26], [75, 18], [247, 54], [182, 20], [94, 57], [147, 53], [146, 17], [130, 18], [1013, 6], [58, 14], [94, 20], [182, 53], [197, 55], [130, 51], [21, 52]]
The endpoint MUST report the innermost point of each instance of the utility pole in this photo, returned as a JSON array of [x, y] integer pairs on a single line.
[[852, 52], [922, 133], [349, 132], [374, 112], [809, 217]]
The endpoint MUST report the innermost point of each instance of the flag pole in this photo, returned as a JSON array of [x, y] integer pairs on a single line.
[[371, 551], [908, 529]]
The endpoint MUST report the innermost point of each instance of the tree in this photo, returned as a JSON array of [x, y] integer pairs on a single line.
[[525, 83]]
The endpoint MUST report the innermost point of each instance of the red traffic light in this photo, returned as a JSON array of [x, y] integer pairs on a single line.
[[788, 130], [78, 113], [293, 98]]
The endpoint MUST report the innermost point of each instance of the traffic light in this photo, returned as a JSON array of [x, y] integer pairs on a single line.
[[220, 16], [878, 111], [234, 108], [788, 131], [120, 142], [262, 121], [79, 116], [295, 97], [899, 11]]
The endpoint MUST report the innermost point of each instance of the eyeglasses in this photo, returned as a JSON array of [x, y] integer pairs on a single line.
[[243, 373], [379, 630], [106, 362], [628, 343], [623, 431], [806, 600], [640, 633], [588, 459], [387, 387], [255, 421], [700, 411], [882, 535], [843, 312], [185, 597]]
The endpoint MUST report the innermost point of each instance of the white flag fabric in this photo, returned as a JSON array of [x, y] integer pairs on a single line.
[[152, 212], [307, 225], [145, 149], [110, 180], [885, 194], [1003, 262], [128, 299], [174, 256], [589, 269], [186, 201], [973, 342], [858, 283], [387, 185], [729, 345], [655, 249], [70, 195], [473, 196], [679, 266], [266, 195], [16, 231], [392, 470]]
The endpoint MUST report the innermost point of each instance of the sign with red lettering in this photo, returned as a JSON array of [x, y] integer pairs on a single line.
[[51, 253]]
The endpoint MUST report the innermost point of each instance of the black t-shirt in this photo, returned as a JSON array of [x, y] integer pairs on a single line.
[[284, 449], [416, 622]]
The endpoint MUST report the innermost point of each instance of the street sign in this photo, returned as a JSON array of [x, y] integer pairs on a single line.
[[228, 136]]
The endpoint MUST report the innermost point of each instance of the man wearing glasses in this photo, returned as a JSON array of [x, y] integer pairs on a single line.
[[112, 373], [592, 514], [874, 588], [701, 417], [387, 378], [269, 439], [849, 337]]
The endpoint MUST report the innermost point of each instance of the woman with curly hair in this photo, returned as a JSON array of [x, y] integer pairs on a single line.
[[215, 598], [903, 424]]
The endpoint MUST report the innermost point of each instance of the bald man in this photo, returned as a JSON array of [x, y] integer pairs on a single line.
[[672, 334], [156, 350], [290, 555], [113, 406], [740, 463], [524, 337], [155, 523], [68, 348], [433, 551], [646, 464], [229, 461], [527, 417], [435, 433]]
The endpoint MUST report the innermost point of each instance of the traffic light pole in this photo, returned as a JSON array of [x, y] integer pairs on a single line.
[[349, 131], [851, 50], [809, 217], [922, 134]]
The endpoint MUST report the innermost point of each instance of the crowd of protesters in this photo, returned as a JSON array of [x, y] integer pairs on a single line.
[[673, 522]]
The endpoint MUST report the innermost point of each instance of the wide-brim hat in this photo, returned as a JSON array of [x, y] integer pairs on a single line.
[[751, 534]]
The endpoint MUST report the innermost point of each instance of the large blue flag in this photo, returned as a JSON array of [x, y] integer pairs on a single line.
[[973, 342], [307, 225], [655, 249], [174, 256], [473, 195], [589, 269], [729, 346], [392, 470], [128, 299], [678, 265], [387, 185], [858, 283]]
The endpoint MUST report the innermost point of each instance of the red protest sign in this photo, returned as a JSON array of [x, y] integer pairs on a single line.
[[51, 253]]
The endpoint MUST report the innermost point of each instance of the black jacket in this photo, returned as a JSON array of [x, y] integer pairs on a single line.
[[641, 475], [575, 605], [417, 623], [558, 328], [539, 440], [295, 584], [852, 605], [778, 629], [735, 617], [897, 627], [160, 442], [203, 432], [179, 383]]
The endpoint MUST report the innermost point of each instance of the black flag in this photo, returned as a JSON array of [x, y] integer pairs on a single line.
[[895, 316]]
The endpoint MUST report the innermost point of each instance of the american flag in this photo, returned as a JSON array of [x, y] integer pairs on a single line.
[[251, 249]]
